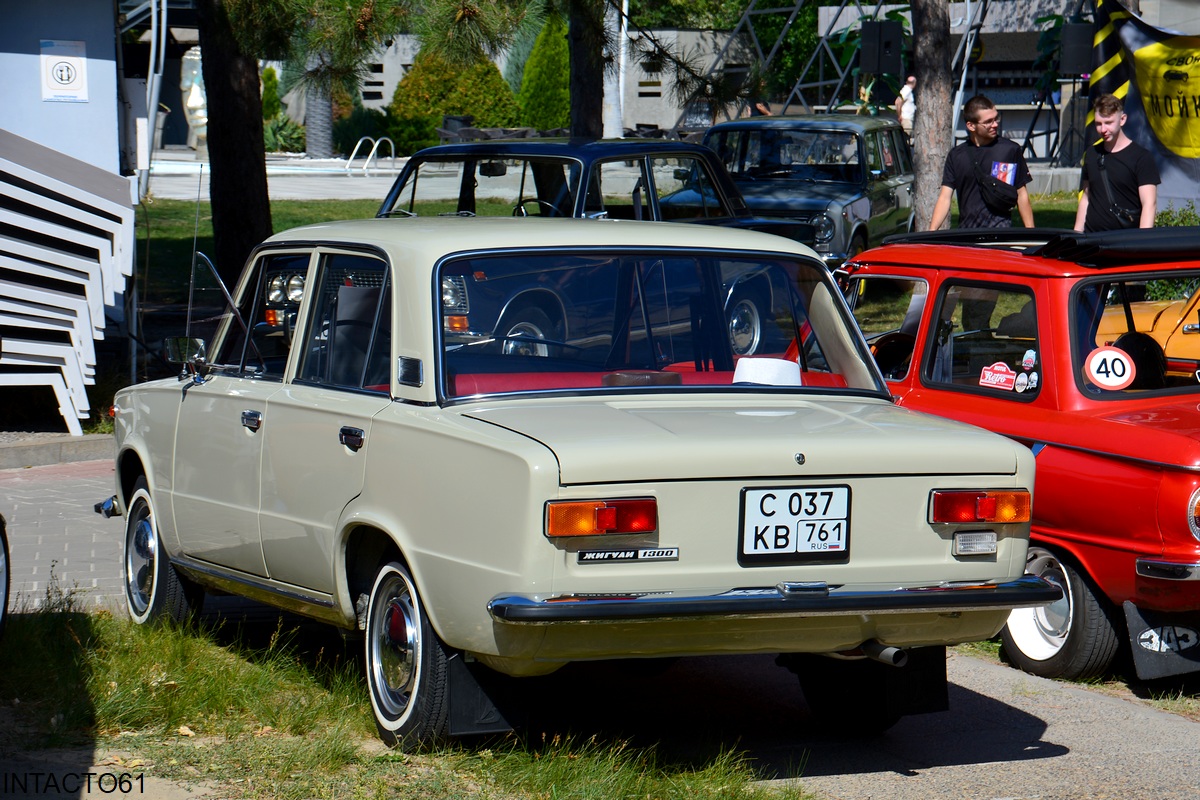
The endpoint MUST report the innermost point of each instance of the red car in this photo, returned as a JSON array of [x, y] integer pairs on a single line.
[[1086, 348]]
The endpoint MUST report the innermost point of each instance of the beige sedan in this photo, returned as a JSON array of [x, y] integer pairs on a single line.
[[501, 445]]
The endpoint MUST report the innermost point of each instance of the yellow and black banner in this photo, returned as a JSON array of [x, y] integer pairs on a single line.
[[1156, 73]]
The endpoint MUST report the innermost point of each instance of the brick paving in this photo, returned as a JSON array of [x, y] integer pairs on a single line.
[[54, 533]]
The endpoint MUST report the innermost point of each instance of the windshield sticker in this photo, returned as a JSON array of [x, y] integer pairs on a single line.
[[1109, 368], [1022, 383], [1029, 361], [1033, 381], [998, 376]]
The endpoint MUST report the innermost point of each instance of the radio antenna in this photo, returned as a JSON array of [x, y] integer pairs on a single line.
[[187, 330]]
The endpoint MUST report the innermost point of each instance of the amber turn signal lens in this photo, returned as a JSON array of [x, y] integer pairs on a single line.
[[598, 517], [957, 507], [457, 324]]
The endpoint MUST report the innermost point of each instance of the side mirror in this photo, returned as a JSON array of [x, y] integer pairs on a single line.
[[192, 354]]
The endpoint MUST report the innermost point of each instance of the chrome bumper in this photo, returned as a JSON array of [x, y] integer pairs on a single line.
[[785, 599]]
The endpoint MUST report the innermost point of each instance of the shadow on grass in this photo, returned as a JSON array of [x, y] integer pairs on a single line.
[[47, 720]]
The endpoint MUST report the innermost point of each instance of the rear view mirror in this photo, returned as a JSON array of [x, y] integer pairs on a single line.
[[192, 353], [493, 169]]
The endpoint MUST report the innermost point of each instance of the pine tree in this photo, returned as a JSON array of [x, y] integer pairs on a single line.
[[545, 91]]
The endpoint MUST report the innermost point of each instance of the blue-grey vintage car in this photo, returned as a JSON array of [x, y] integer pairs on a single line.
[[849, 176]]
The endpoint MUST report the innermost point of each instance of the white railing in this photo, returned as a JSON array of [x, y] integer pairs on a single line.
[[66, 250], [366, 167]]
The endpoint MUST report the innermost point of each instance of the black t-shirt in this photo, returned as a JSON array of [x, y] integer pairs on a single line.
[[1128, 169], [1002, 158]]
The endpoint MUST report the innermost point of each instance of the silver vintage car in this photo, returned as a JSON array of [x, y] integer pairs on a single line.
[[626, 487]]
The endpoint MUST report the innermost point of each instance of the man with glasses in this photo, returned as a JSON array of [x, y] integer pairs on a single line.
[[988, 172]]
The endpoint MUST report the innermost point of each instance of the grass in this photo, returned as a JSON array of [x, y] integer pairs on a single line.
[[282, 712]]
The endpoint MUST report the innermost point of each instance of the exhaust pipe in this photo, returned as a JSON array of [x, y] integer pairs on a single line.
[[886, 654]]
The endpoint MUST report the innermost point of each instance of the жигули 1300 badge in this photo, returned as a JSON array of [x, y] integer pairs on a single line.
[[629, 554]]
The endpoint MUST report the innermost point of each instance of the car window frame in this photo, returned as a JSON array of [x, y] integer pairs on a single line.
[[383, 315], [929, 347]]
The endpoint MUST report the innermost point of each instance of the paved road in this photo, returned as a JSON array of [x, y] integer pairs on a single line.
[[1007, 735]]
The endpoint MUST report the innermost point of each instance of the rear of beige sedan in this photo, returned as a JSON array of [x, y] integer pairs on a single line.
[[596, 440]]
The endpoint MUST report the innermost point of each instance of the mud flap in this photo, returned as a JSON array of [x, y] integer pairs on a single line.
[[1162, 644], [471, 708]]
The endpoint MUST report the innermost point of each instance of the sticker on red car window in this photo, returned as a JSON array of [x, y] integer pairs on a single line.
[[1109, 368], [1029, 361], [998, 376]]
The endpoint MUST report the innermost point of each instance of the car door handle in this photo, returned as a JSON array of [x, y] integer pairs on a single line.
[[354, 438], [252, 420]]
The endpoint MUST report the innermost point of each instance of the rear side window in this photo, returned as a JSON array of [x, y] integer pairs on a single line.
[[985, 339], [349, 337], [684, 189]]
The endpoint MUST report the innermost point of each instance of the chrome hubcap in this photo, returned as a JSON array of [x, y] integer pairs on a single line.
[[141, 554], [520, 340], [1041, 633], [744, 328], [395, 647]]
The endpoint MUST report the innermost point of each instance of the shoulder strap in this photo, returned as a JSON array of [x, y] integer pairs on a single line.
[[1105, 181]]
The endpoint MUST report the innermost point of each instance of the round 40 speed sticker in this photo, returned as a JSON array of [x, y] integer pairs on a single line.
[[1109, 368]]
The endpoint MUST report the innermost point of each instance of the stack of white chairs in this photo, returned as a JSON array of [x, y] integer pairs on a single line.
[[66, 250]]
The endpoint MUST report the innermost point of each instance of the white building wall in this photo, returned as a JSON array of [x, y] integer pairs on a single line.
[[87, 130]]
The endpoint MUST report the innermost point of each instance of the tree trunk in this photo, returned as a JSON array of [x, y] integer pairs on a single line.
[[932, 137], [241, 207], [585, 21], [318, 122]]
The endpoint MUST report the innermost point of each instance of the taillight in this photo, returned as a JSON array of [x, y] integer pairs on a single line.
[[957, 507], [597, 517]]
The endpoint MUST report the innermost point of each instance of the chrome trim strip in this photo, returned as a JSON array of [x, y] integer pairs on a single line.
[[769, 601], [1167, 570], [260, 590]]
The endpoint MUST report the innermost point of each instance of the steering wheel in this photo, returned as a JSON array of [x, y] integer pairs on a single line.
[[893, 353]]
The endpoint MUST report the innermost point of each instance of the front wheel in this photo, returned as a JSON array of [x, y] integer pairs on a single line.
[[407, 666], [153, 589], [525, 331], [1073, 638]]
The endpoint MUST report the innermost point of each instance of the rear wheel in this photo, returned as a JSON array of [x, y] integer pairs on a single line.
[[153, 589], [407, 666], [1073, 638]]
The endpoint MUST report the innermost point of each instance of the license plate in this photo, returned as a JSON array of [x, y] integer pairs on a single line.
[[795, 525]]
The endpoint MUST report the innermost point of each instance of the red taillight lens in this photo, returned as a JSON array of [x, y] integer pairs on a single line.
[[597, 517], [970, 506]]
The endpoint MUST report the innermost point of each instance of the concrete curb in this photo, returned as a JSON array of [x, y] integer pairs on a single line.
[[45, 452]]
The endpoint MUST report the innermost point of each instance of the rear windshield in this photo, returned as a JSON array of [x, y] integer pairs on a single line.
[[634, 322], [1137, 334]]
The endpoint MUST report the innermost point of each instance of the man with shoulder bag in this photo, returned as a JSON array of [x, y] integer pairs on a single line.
[[988, 173], [1120, 178]]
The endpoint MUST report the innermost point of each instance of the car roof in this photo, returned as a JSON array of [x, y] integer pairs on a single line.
[[1042, 252], [582, 149], [837, 122], [428, 239]]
